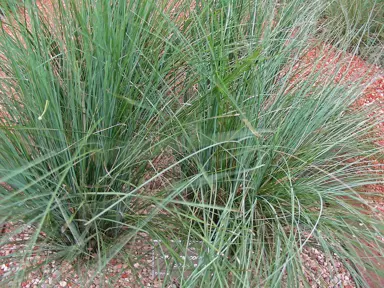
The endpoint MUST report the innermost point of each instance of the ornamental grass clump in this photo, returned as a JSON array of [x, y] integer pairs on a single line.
[[262, 158], [83, 92], [274, 159]]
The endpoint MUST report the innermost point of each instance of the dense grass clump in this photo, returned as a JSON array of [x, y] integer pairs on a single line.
[[259, 162], [80, 107]]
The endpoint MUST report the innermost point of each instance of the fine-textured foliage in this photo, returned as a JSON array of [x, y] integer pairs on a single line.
[[260, 161], [361, 22], [80, 105]]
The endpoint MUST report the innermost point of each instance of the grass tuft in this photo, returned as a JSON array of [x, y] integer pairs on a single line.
[[185, 122]]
